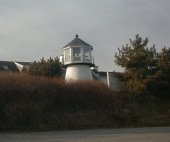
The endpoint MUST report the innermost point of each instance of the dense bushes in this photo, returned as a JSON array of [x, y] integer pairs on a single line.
[[29, 102], [40, 103], [144, 67], [50, 68]]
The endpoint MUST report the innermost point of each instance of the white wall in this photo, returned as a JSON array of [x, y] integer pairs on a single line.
[[115, 82], [78, 72]]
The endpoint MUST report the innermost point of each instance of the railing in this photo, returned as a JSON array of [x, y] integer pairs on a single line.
[[78, 59]]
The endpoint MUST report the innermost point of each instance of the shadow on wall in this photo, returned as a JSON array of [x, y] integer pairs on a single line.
[[114, 80]]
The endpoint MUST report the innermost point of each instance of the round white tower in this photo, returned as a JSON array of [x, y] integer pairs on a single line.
[[78, 60]]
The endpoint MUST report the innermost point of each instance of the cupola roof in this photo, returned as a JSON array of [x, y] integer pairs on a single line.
[[77, 42]]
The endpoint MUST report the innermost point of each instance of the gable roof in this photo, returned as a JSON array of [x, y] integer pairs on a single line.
[[77, 42], [11, 66], [25, 63], [8, 66]]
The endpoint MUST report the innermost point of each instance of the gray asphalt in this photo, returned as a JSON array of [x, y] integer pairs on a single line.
[[154, 134]]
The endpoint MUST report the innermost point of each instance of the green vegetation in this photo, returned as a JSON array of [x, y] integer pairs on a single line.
[[50, 68], [36, 103], [145, 68]]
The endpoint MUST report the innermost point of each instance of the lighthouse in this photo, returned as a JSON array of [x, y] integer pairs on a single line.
[[77, 58]]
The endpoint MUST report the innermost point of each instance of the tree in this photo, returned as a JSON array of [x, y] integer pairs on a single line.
[[162, 76], [50, 68], [163, 64], [139, 63]]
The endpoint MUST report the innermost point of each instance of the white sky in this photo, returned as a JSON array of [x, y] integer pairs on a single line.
[[31, 29]]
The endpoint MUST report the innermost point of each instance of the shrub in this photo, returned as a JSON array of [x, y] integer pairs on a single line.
[[34, 103], [42, 103], [50, 67]]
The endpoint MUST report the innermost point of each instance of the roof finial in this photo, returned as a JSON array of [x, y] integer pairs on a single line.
[[77, 35]]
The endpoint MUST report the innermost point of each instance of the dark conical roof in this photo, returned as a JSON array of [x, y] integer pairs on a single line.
[[77, 42]]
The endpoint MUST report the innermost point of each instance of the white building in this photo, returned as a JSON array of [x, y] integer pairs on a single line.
[[79, 63], [77, 58]]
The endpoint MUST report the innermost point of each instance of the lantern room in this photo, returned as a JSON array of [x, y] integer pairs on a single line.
[[77, 52]]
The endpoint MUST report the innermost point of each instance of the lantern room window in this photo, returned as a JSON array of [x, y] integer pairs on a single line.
[[67, 55], [86, 54], [76, 54]]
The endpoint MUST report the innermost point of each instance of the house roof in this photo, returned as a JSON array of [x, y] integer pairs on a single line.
[[8, 66], [117, 74], [11, 66], [25, 63], [77, 42]]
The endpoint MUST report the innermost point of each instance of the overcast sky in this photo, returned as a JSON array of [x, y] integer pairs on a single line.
[[31, 29]]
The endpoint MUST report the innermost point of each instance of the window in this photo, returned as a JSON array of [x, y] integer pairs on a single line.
[[76, 54], [67, 55], [5, 68], [86, 54]]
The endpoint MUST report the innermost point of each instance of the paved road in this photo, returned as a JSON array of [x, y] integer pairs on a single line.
[[156, 134]]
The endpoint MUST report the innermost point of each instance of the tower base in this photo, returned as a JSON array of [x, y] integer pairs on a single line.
[[78, 72]]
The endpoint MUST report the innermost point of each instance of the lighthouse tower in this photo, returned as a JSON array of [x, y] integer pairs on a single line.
[[78, 60]]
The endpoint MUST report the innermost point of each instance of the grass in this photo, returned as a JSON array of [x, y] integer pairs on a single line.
[[30, 103]]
